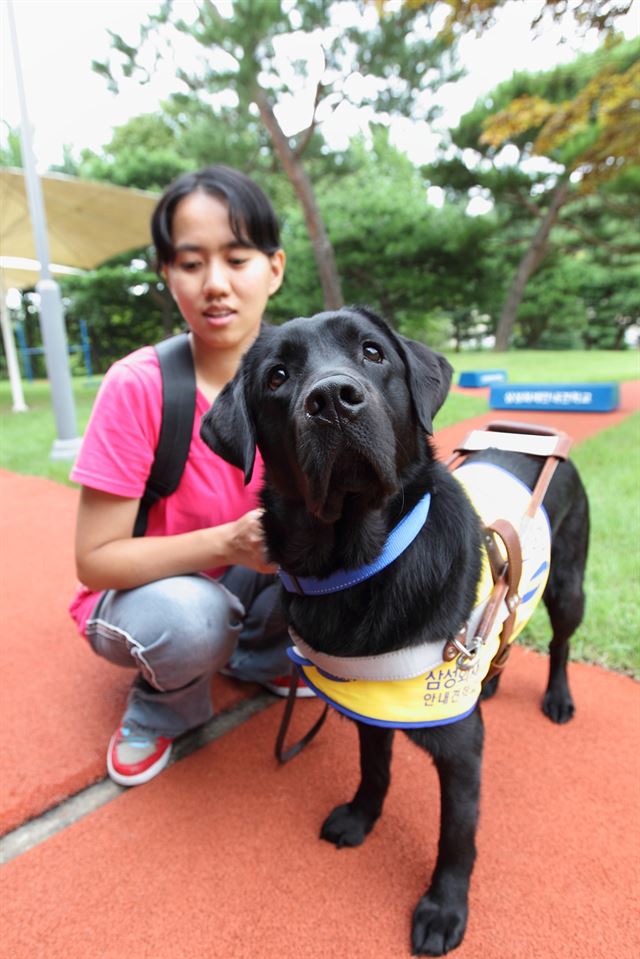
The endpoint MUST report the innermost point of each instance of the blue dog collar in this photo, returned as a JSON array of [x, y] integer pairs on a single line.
[[400, 537]]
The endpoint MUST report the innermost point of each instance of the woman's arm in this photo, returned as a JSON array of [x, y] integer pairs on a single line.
[[108, 556]]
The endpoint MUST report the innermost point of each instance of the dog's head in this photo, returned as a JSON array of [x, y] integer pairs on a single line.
[[337, 404]]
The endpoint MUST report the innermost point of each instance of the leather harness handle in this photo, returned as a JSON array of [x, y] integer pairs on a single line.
[[542, 485], [507, 574], [513, 568], [560, 451], [284, 755]]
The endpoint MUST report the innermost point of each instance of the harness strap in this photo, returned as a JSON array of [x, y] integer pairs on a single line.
[[284, 755], [505, 590], [176, 427], [514, 437]]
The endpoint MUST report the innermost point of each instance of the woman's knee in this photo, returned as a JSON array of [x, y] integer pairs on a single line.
[[175, 629]]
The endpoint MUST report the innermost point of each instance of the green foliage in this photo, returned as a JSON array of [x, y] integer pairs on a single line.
[[123, 307], [10, 147], [384, 63], [135, 168], [300, 293], [594, 130], [585, 289], [478, 15], [417, 265], [612, 294], [438, 274], [562, 83], [242, 42], [398, 50], [552, 314]]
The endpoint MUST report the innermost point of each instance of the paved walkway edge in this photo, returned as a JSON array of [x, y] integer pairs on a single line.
[[71, 810]]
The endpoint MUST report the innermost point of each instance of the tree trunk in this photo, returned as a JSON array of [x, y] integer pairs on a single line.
[[320, 242], [164, 300], [528, 265]]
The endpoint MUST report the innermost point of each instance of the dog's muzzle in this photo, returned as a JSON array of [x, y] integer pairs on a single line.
[[335, 398], [344, 444]]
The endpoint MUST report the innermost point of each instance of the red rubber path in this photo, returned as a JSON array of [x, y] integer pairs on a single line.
[[219, 856]]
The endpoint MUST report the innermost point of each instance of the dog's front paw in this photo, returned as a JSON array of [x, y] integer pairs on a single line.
[[558, 705], [437, 928], [347, 825]]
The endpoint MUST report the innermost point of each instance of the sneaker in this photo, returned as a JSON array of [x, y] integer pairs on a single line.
[[136, 755], [282, 685]]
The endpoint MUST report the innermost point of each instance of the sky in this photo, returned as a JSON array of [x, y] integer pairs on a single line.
[[69, 104]]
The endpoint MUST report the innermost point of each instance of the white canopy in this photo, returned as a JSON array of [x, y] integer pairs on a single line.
[[87, 222]]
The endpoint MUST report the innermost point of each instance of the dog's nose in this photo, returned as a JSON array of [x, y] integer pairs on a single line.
[[333, 398]]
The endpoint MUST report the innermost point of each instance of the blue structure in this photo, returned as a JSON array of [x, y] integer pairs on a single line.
[[26, 352], [569, 397], [475, 378]]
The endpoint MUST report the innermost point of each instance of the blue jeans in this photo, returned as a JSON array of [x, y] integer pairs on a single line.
[[178, 632]]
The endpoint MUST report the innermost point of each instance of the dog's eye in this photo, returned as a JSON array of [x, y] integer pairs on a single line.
[[372, 352], [277, 376]]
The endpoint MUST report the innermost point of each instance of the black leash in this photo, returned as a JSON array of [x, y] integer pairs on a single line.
[[283, 755]]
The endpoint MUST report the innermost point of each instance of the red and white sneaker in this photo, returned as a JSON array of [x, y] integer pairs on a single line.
[[135, 755], [282, 684]]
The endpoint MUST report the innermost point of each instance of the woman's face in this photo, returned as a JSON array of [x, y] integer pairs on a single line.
[[221, 287]]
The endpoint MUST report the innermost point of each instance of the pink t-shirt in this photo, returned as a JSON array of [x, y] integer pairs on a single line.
[[118, 449]]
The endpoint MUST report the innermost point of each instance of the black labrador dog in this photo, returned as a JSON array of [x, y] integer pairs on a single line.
[[341, 407]]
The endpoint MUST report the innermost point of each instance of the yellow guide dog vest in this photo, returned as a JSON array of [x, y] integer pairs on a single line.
[[416, 687]]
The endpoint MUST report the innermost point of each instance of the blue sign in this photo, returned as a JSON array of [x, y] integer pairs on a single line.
[[482, 377], [571, 397]]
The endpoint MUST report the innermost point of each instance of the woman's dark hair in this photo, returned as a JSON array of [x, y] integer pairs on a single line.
[[251, 216]]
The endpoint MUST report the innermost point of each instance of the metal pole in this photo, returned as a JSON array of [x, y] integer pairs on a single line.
[[13, 367], [54, 336]]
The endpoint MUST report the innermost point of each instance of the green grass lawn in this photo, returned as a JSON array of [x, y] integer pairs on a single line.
[[26, 439], [609, 463], [553, 366]]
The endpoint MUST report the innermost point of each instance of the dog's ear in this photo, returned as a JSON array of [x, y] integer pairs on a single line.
[[429, 380], [227, 428]]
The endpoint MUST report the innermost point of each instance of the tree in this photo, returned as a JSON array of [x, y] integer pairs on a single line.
[[582, 119], [605, 110], [594, 136], [478, 15], [431, 272], [11, 150], [425, 269], [241, 47], [124, 305]]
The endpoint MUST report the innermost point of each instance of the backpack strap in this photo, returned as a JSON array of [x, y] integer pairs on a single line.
[[176, 428]]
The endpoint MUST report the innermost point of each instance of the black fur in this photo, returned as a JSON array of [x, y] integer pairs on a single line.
[[340, 407]]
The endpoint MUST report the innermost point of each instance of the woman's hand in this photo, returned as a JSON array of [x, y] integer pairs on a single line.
[[247, 543], [108, 556]]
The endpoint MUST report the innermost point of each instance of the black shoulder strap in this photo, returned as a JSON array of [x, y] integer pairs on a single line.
[[178, 410]]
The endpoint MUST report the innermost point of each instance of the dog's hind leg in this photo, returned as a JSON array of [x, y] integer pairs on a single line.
[[565, 602], [440, 917], [347, 825]]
